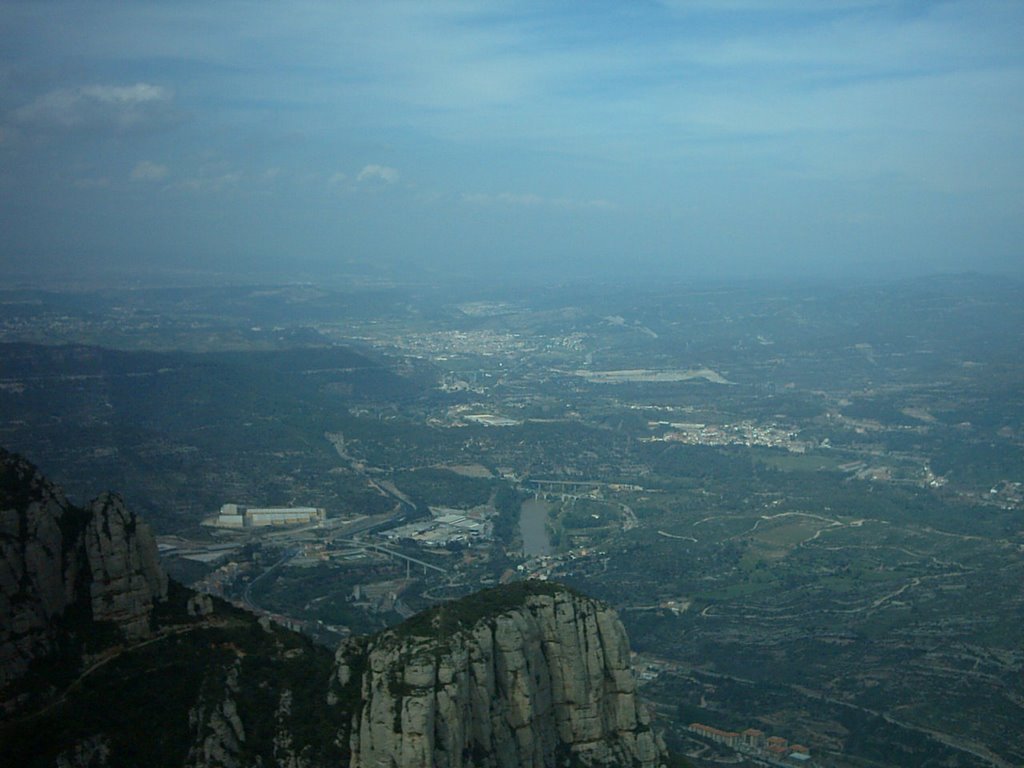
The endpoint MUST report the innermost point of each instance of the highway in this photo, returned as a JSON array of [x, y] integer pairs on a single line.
[[394, 553], [247, 595]]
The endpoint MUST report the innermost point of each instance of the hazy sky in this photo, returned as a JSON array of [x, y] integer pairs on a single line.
[[724, 137]]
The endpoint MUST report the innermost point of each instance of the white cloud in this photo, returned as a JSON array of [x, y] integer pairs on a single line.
[[337, 179], [378, 172], [117, 108], [148, 171]]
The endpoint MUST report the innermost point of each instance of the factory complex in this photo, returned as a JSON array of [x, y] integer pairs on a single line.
[[239, 516]]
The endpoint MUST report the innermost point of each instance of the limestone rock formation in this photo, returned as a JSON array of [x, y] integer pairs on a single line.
[[216, 732], [40, 567], [126, 577], [541, 679], [59, 561]]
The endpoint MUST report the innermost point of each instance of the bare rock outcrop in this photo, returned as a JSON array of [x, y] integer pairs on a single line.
[[126, 577], [216, 733], [522, 678], [59, 562], [40, 566]]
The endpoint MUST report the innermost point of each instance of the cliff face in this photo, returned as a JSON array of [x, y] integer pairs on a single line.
[[80, 587], [56, 558], [125, 574], [543, 680]]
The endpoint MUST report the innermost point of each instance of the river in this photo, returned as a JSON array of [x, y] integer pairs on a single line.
[[533, 515]]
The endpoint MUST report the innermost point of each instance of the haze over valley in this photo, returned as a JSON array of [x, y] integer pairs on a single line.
[[804, 501]]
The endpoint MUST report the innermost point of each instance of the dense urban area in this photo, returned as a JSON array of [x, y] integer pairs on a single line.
[[804, 501]]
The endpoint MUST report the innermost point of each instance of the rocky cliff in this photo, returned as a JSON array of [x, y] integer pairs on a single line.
[[524, 676], [125, 577], [105, 663], [59, 562]]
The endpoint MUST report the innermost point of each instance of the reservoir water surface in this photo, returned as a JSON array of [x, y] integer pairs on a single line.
[[533, 515]]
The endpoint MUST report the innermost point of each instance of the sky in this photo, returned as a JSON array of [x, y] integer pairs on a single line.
[[495, 140]]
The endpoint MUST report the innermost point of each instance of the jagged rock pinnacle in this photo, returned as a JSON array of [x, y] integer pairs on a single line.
[[55, 557], [544, 682]]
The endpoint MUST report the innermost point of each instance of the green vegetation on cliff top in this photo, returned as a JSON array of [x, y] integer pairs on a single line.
[[449, 618]]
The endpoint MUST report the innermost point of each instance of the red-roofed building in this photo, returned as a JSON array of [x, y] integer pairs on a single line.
[[729, 738], [753, 738]]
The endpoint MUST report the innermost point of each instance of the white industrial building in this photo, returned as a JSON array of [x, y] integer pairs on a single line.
[[238, 516]]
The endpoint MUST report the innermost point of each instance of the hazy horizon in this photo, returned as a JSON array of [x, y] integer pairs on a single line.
[[478, 140]]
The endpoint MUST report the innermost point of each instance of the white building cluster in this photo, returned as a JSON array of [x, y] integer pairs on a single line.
[[446, 526], [238, 516]]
